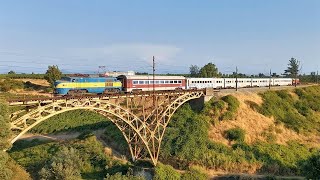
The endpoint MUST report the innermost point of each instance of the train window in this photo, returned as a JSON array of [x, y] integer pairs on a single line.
[[179, 82], [161, 82], [157, 82], [192, 81], [175, 82], [141, 82], [167, 82], [151, 82], [171, 82], [135, 82], [146, 82]]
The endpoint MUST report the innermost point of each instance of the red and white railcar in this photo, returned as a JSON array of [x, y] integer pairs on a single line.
[[145, 82]]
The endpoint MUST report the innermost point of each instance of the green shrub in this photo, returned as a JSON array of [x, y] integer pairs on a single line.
[[311, 167], [235, 134], [165, 172], [213, 109], [233, 105], [194, 174], [119, 176], [227, 115]]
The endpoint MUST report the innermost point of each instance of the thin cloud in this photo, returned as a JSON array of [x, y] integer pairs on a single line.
[[139, 51]]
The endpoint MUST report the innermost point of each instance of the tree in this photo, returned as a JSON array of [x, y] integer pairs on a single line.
[[261, 75], [194, 71], [293, 69], [274, 75], [11, 72], [53, 73], [65, 165], [313, 77], [209, 70]]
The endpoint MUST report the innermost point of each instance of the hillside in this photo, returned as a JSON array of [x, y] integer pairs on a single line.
[[265, 134], [259, 127]]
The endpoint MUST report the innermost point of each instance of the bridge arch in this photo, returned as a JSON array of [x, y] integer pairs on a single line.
[[118, 115], [143, 131]]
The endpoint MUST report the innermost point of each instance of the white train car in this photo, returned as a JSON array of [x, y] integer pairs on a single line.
[[282, 82], [263, 82], [199, 83], [218, 83], [244, 82], [229, 83]]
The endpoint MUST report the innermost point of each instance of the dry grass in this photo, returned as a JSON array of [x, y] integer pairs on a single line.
[[257, 125], [41, 82]]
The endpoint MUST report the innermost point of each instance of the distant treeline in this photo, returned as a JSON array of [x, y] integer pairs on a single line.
[[22, 76]]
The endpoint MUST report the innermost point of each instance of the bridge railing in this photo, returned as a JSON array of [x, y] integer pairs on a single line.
[[26, 100]]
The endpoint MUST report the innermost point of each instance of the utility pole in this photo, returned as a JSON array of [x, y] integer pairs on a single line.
[[153, 77], [317, 77], [270, 80], [295, 79], [236, 78]]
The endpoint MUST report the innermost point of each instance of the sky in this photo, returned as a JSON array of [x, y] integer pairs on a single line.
[[122, 35]]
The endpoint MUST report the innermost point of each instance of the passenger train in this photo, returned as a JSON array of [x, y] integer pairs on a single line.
[[136, 83]]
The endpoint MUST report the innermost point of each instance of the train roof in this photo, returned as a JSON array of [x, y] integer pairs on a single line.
[[110, 77], [150, 77]]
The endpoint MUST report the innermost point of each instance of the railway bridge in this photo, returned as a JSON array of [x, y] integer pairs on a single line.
[[142, 118]]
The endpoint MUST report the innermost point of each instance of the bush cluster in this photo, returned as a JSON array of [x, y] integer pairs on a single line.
[[295, 114], [233, 105], [222, 109], [235, 134], [10, 84]]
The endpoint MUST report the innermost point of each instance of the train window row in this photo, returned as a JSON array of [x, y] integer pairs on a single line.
[[157, 82], [201, 82]]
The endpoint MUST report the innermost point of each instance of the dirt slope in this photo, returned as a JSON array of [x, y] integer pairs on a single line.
[[258, 126]]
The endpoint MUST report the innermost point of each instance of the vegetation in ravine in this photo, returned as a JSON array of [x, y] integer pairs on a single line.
[[80, 157], [76, 120]]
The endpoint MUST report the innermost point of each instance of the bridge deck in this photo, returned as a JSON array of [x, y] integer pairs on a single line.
[[30, 101]]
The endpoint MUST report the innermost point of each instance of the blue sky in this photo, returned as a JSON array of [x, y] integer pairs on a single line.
[[79, 35]]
